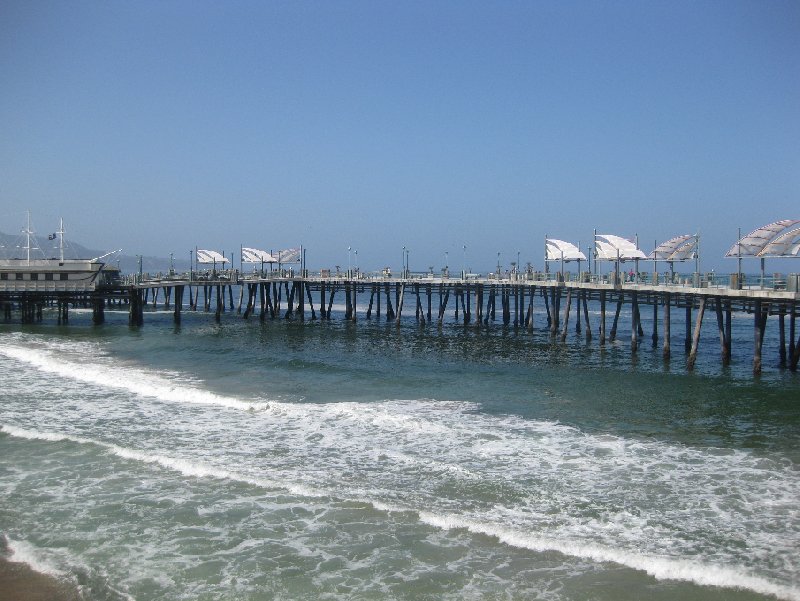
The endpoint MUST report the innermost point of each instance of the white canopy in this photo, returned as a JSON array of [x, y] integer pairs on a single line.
[[558, 250], [611, 248], [289, 255], [779, 239], [210, 256], [253, 255], [680, 248]]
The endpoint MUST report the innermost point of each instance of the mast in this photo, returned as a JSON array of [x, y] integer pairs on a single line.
[[28, 237], [61, 239]]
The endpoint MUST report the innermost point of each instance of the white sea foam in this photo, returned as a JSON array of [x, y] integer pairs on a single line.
[[187, 467], [660, 567], [136, 380], [530, 484], [37, 559]]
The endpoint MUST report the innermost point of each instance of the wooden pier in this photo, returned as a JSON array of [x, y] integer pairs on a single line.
[[525, 303]]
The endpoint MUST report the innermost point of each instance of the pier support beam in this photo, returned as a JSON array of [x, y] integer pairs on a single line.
[[176, 315], [666, 349], [602, 318], [759, 324], [586, 315], [696, 338], [613, 335], [566, 315], [634, 322]]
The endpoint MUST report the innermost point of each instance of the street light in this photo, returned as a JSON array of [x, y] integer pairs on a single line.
[[408, 266], [190, 265], [464, 263], [348, 261], [356, 251]]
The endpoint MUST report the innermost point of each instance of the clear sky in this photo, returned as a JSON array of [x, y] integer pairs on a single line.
[[161, 126]]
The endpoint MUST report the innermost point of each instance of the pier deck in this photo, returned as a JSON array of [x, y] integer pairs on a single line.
[[525, 300]]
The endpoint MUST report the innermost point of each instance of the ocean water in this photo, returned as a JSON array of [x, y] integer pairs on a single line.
[[332, 460]]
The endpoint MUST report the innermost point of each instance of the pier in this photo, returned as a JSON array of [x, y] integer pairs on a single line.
[[557, 303]]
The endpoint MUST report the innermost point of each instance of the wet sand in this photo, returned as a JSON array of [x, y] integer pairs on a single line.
[[18, 582]]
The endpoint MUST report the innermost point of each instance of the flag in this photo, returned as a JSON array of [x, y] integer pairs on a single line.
[[51, 237]]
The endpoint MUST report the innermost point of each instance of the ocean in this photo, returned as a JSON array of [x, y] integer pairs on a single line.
[[338, 460]]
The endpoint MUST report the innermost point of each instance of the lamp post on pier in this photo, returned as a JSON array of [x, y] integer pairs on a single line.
[[348, 261]]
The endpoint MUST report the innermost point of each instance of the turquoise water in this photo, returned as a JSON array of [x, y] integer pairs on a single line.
[[332, 460]]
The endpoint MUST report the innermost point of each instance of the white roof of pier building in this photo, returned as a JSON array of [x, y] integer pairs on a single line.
[[778, 239], [210, 256], [253, 255], [680, 248], [558, 250], [611, 248]]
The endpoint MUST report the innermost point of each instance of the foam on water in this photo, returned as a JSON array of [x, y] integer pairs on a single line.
[[132, 379], [186, 467], [36, 559], [661, 568], [675, 512]]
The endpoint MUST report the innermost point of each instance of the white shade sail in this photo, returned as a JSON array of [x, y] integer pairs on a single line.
[[611, 248], [253, 255], [558, 250], [289, 255], [210, 256], [680, 248], [778, 239]]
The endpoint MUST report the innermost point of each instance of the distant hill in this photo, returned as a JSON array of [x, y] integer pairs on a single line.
[[13, 246]]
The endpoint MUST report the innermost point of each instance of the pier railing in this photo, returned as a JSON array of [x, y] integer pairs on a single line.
[[728, 281]]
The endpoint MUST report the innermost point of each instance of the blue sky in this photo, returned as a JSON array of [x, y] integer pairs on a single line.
[[161, 126]]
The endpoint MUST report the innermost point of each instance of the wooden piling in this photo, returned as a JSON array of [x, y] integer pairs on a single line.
[[758, 327], [586, 315], [613, 336], [602, 318], [666, 350], [634, 321], [566, 315], [401, 298], [696, 338]]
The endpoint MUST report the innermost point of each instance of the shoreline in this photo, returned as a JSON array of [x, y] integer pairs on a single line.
[[20, 582]]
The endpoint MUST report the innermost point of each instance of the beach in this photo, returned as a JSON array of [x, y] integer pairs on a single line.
[[18, 582]]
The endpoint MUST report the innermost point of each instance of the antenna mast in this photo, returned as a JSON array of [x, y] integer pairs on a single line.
[[61, 239]]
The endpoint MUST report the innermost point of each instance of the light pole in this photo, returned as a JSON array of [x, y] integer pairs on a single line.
[[464, 263], [516, 272], [403, 263], [356, 251], [498, 265], [348, 261], [190, 265], [447, 263], [408, 266]]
